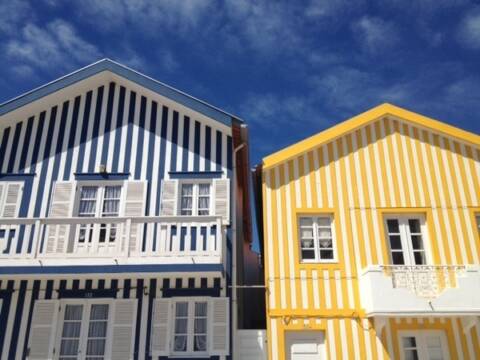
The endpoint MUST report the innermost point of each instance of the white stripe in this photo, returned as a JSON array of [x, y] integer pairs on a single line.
[[202, 148], [316, 291], [331, 339], [326, 163], [406, 158], [376, 154], [296, 181], [397, 165], [168, 148], [290, 239], [343, 339], [113, 128], [21, 142], [213, 152], [123, 139], [318, 183], [273, 339], [303, 282], [271, 270], [416, 161], [66, 138], [356, 345], [388, 167], [78, 135], [133, 154], [389, 339], [224, 152], [181, 124], [308, 189], [326, 286], [338, 289], [33, 136], [101, 129], [469, 175], [366, 336], [91, 120], [280, 240], [456, 335], [146, 156]]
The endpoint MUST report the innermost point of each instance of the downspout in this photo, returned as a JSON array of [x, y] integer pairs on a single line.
[[234, 250]]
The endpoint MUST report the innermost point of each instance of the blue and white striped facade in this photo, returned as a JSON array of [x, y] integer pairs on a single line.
[[109, 125]]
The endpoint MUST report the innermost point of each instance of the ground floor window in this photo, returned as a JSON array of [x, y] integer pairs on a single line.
[[426, 344]]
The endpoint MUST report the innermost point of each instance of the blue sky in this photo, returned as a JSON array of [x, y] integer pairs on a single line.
[[289, 68]]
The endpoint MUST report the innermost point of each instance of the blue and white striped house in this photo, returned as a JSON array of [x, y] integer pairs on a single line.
[[123, 211]]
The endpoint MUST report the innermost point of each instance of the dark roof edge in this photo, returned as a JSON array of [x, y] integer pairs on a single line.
[[128, 73]]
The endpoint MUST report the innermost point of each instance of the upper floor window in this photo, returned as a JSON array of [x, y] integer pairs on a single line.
[[406, 240], [195, 199], [317, 239]]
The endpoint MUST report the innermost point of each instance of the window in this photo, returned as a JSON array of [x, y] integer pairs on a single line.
[[478, 223], [405, 236], [99, 201], [429, 345], [84, 330], [317, 239], [190, 332], [195, 199]]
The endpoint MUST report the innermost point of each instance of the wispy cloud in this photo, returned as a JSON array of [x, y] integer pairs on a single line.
[[469, 29], [57, 45], [375, 34], [12, 14]]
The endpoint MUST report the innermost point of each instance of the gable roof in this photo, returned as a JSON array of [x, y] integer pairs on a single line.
[[125, 72], [362, 120]]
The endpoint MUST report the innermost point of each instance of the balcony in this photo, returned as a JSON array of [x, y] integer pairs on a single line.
[[425, 290], [111, 241]]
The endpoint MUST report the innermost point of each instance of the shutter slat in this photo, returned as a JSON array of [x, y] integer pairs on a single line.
[[13, 197], [42, 333], [160, 334], [222, 198], [135, 206], [219, 329], [169, 198], [124, 320]]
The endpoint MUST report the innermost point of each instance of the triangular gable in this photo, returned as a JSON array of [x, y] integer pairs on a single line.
[[123, 71], [361, 120]]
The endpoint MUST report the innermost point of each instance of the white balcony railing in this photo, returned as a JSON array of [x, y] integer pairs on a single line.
[[144, 237], [424, 289]]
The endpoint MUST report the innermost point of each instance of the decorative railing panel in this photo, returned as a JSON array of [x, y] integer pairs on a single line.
[[426, 281]]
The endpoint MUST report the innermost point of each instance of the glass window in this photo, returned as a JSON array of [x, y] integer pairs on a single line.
[[428, 345], [478, 223], [406, 240], [195, 199], [191, 324], [316, 239]]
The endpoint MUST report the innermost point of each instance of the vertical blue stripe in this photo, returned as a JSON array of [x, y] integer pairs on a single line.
[[208, 147], [49, 290], [183, 234], [151, 151], [173, 152], [203, 233], [141, 135], [118, 129], [193, 241], [126, 288], [131, 115], [173, 234], [196, 148], [7, 299], [139, 317], [83, 136], [108, 123], [96, 129], [229, 154], [151, 296], [18, 318], [46, 154], [13, 152], [71, 139], [3, 147], [35, 291], [26, 145], [186, 136], [163, 146], [218, 158]]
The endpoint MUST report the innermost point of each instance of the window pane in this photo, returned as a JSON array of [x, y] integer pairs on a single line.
[[187, 189], [69, 347], [308, 254], [392, 226], [96, 347], [417, 242], [397, 258], [99, 312], [323, 221], [395, 242], [325, 243], [113, 192], [307, 243], [181, 326], [326, 254], [180, 343], [306, 221], [419, 257], [73, 312], [97, 329], [200, 343], [88, 192], [325, 232], [414, 225], [71, 329], [307, 233], [200, 326], [411, 355], [181, 309], [204, 189], [200, 309], [409, 341]]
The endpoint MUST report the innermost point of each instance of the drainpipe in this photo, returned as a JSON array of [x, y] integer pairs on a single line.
[[235, 243]]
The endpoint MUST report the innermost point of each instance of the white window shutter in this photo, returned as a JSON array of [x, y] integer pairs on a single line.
[[61, 206], [219, 326], [12, 198], [135, 197], [123, 332], [222, 198], [168, 205], [160, 328], [42, 332]]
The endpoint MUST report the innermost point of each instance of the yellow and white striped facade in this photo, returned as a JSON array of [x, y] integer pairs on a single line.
[[385, 161]]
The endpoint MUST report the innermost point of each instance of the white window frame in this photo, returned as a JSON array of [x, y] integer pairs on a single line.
[[85, 323], [316, 247], [195, 196], [100, 194], [190, 330], [405, 238], [421, 342]]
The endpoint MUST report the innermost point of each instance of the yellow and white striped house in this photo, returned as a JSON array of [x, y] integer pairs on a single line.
[[371, 240]]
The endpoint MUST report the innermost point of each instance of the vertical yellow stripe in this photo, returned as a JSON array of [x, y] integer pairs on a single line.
[[383, 166], [393, 166], [284, 183], [311, 175], [274, 221]]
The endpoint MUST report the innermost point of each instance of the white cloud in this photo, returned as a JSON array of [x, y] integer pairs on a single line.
[[469, 30], [374, 33], [13, 13], [57, 45]]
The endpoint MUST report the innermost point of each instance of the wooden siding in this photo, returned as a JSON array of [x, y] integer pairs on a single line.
[[387, 166]]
